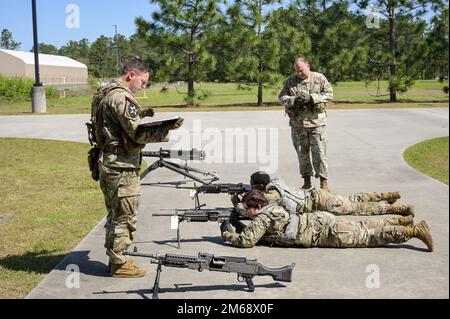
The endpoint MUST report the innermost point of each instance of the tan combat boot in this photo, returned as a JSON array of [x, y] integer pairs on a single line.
[[406, 221], [403, 210], [127, 270], [391, 197], [422, 232], [324, 184], [307, 183]]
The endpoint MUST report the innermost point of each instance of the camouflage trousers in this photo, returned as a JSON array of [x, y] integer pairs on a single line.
[[322, 229], [364, 204], [121, 190], [311, 145]]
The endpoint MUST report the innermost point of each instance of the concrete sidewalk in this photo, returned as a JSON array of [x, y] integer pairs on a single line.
[[365, 154]]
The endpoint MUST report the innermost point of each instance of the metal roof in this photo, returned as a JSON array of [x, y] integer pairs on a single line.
[[45, 59]]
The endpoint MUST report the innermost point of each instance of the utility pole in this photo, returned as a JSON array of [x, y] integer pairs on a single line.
[[38, 102], [117, 49]]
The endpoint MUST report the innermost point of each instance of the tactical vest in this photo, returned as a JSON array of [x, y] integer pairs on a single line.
[[315, 115], [97, 113], [291, 199], [285, 231]]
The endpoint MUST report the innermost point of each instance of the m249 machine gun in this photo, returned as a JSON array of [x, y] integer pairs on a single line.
[[245, 268], [217, 214], [215, 188], [185, 170]]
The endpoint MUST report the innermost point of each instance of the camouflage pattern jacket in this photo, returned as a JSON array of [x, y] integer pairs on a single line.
[[321, 93], [265, 227], [274, 224], [124, 140]]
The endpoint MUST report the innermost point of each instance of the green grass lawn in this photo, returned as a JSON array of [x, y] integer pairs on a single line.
[[48, 204], [430, 157], [228, 97]]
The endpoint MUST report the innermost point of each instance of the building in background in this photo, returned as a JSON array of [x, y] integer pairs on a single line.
[[59, 71]]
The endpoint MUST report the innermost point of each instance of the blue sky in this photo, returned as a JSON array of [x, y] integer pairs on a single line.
[[97, 17]]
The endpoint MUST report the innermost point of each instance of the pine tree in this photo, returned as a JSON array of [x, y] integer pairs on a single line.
[[179, 31], [7, 42], [394, 57]]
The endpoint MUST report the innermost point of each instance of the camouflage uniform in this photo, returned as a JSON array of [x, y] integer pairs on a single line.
[[362, 204], [315, 199], [119, 166], [319, 229], [308, 123]]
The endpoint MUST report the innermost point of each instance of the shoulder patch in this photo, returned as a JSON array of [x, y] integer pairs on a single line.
[[132, 109]]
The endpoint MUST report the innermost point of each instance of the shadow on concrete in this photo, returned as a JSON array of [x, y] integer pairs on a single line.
[[403, 246], [175, 184], [41, 262], [85, 265], [174, 243], [147, 293]]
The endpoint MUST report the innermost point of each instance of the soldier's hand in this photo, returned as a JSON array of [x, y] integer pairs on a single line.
[[226, 227], [308, 99], [289, 100], [147, 112], [301, 98], [235, 200]]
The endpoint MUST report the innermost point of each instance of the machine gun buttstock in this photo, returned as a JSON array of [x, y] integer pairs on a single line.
[[278, 274]]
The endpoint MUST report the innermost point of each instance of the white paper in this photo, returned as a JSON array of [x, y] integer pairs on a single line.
[[174, 222]]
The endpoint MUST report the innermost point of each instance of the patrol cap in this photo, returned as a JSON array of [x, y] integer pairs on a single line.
[[260, 178]]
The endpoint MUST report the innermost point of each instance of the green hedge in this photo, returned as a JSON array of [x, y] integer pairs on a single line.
[[18, 88]]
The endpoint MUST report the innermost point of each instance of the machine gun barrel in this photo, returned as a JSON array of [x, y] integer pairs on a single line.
[[223, 188], [185, 155], [201, 215]]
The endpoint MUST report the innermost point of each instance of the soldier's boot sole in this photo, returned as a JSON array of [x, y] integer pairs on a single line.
[[422, 232], [134, 275]]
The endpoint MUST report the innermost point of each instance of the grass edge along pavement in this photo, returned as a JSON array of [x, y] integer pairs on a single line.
[[430, 157], [49, 203], [226, 97]]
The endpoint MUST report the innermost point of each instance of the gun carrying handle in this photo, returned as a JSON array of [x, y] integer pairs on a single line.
[[248, 280]]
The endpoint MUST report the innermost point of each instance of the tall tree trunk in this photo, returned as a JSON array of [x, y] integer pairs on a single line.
[[260, 93], [392, 47], [261, 65], [191, 90], [260, 83]]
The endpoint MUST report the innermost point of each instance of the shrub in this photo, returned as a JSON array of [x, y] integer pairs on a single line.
[[51, 92], [19, 88], [93, 83]]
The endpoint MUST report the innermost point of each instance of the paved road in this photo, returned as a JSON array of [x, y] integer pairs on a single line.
[[365, 151]]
